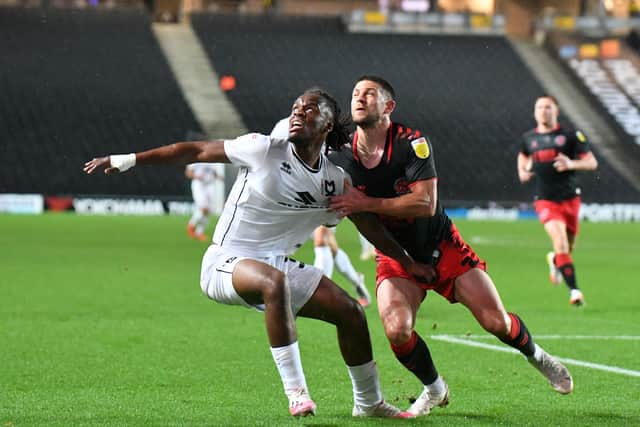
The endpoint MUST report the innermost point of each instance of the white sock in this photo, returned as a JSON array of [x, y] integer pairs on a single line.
[[202, 224], [365, 383], [537, 354], [323, 260], [437, 386], [289, 366], [344, 266], [196, 217], [365, 244]]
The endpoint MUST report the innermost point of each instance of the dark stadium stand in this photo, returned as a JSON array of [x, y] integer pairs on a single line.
[[471, 94], [81, 83]]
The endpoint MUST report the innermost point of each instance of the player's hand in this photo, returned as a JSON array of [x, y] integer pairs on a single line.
[[350, 202], [425, 273], [100, 163], [525, 175], [562, 163]]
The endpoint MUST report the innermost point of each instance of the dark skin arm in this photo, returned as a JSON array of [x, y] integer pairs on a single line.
[[180, 153], [371, 228]]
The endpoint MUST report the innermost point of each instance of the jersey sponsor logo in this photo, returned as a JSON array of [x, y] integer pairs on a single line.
[[581, 136], [421, 147], [329, 188], [544, 156], [534, 144], [285, 167], [560, 140], [305, 197]]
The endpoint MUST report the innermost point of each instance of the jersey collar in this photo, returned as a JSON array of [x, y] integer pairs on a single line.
[[556, 128], [306, 166]]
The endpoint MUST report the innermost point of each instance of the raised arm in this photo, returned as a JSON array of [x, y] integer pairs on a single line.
[[181, 153]]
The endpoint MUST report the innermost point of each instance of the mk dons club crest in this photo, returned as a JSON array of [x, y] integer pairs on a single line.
[[421, 147]]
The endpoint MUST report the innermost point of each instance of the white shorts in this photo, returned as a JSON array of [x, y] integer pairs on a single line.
[[218, 265], [203, 194]]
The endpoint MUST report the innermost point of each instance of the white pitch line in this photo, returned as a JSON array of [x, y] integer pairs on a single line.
[[559, 337], [597, 366]]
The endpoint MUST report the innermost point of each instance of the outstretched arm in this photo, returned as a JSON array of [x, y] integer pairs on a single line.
[[371, 228], [179, 153]]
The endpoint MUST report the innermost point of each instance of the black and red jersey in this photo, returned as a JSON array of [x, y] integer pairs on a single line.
[[407, 158], [543, 148]]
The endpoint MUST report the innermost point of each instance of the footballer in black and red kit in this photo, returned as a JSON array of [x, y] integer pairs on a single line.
[[543, 148], [408, 157], [394, 176], [551, 155]]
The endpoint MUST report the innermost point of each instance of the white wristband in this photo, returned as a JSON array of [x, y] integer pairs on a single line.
[[123, 161]]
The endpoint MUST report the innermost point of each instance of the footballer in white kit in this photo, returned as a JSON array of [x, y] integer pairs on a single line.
[[205, 175], [275, 203], [207, 189]]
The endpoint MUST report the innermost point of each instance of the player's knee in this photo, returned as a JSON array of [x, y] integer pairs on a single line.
[[352, 313], [494, 322], [274, 288], [397, 329]]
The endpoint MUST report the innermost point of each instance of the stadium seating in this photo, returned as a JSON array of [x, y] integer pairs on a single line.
[[471, 94], [82, 83]]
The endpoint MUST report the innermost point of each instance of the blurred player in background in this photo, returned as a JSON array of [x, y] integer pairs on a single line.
[[280, 195], [327, 252], [204, 189], [394, 176], [552, 155], [367, 251]]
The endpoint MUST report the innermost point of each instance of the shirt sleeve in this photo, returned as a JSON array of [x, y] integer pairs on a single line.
[[420, 165], [281, 129], [248, 150], [581, 144]]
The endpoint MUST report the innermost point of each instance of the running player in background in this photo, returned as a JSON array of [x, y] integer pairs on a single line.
[[280, 195], [394, 176], [552, 155], [327, 252], [204, 177]]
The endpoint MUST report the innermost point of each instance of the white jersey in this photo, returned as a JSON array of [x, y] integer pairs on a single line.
[[277, 200]]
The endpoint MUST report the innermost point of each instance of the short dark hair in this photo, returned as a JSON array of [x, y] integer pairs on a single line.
[[341, 133], [382, 82], [551, 97]]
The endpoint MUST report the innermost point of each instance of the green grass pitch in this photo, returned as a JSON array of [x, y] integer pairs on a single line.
[[102, 323]]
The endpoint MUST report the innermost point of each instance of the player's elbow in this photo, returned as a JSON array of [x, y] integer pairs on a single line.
[[428, 210]]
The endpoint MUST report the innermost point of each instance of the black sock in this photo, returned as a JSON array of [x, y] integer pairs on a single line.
[[415, 356], [564, 263], [519, 337]]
